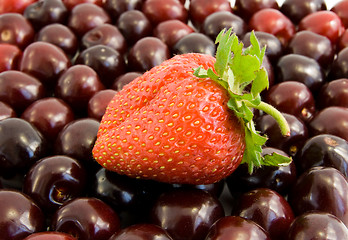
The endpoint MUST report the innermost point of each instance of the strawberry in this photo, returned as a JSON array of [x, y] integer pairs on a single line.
[[189, 120]]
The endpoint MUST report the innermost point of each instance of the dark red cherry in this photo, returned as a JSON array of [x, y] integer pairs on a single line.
[[10, 55], [116, 7], [323, 150], [61, 36], [19, 90], [195, 43], [19, 215], [147, 53], [236, 228], [44, 12], [77, 85], [124, 79], [86, 218], [98, 102], [321, 189], [159, 11], [95, 14], [267, 208], [292, 97], [341, 9], [44, 61], [334, 93], [144, 231], [317, 225], [6, 111], [16, 29], [105, 61], [331, 120], [105, 34], [54, 180], [49, 235], [247, 8], [49, 116], [173, 211]]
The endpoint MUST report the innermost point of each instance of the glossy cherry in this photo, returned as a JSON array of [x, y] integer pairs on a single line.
[[49, 235], [334, 93], [145, 231], [54, 180], [247, 8], [116, 7], [98, 103], [321, 189], [10, 55], [195, 42], [267, 208]]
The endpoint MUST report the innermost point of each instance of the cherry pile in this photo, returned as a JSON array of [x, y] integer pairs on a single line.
[[61, 62]]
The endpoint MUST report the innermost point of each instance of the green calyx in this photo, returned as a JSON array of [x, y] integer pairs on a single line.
[[241, 73]]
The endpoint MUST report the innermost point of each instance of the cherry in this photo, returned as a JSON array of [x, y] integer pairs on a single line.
[[217, 21], [49, 116], [173, 212], [195, 42], [339, 68], [341, 9], [54, 180], [267, 208], [273, 21], [116, 7], [19, 89], [323, 150], [147, 53], [86, 218], [77, 85], [236, 228], [321, 189], [331, 120], [247, 8], [10, 56], [49, 235], [19, 215], [61, 36], [105, 34], [104, 60], [16, 29], [159, 11], [143, 231], [334, 93], [44, 61], [6, 111], [317, 225], [77, 19], [134, 25], [16, 6], [171, 31], [44, 12], [98, 103], [292, 97], [124, 79]]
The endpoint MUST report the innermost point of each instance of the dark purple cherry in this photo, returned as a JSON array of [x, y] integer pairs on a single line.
[[16, 29], [217, 21], [195, 43], [236, 228], [19, 90], [339, 67], [44, 12], [21, 145], [44, 61], [144, 231], [323, 150], [173, 211], [134, 25], [116, 7], [267, 208], [6, 111], [77, 140], [279, 179], [19, 215], [86, 218], [298, 9], [49, 116], [321, 189], [77, 85], [98, 102], [147, 53], [105, 34], [78, 22], [331, 120], [334, 93], [54, 180], [106, 61], [317, 225], [313, 45], [274, 48], [124, 79], [292, 97], [289, 144], [247, 8], [296, 67], [59, 35]]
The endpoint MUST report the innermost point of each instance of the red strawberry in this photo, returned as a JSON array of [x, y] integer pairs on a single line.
[[179, 126]]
